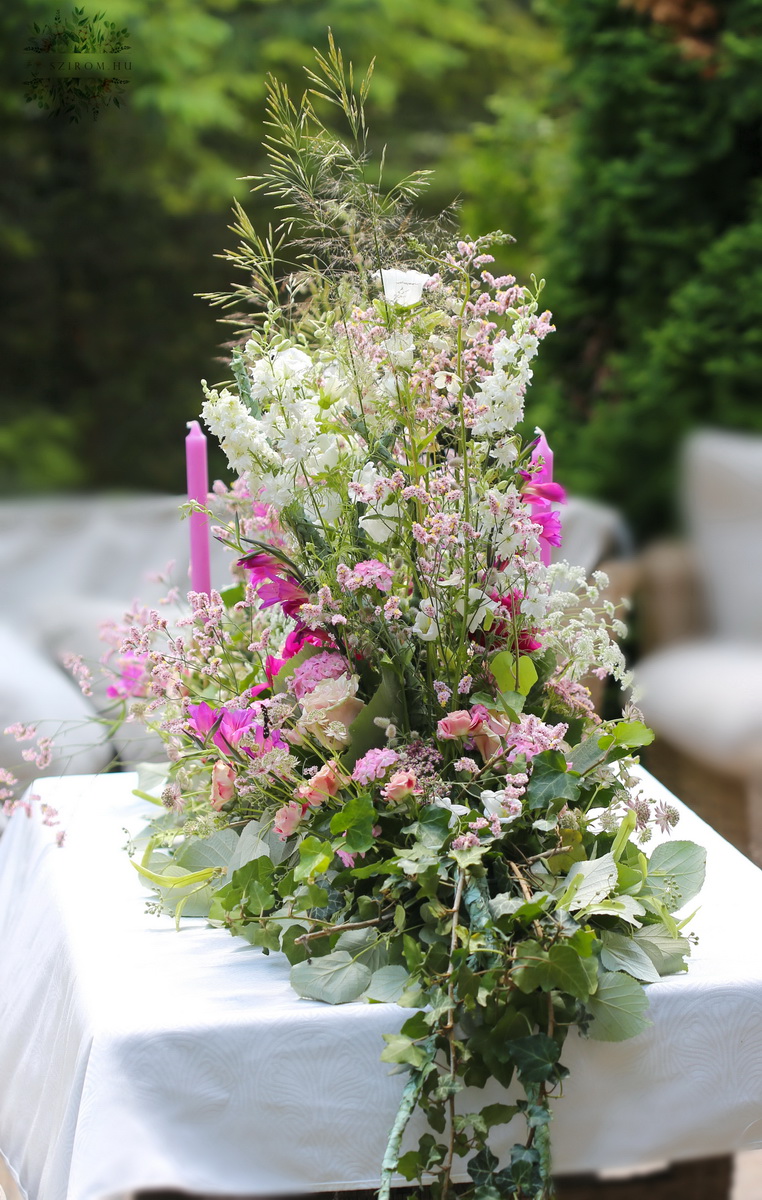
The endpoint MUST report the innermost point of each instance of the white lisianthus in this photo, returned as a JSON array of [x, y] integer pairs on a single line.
[[425, 625], [403, 288], [383, 522], [455, 810], [501, 805]]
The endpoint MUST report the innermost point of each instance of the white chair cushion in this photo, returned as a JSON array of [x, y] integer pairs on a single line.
[[705, 697], [722, 502]]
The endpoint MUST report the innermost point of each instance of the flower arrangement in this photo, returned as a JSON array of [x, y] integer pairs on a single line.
[[384, 762]]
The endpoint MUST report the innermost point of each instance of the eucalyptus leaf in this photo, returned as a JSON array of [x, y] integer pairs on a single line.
[[335, 978]]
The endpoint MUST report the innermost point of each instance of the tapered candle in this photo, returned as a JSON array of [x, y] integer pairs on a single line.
[[198, 489]]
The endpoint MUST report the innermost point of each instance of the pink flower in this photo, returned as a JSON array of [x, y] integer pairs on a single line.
[[324, 785], [401, 784], [228, 727], [223, 784], [455, 725], [489, 733], [347, 858], [370, 573], [309, 674], [273, 582], [374, 765], [131, 677], [329, 709], [540, 493], [288, 817]]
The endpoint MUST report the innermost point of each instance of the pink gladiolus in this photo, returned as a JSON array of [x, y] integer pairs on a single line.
[[223, 784], [400, 785], [325, 784], [273, 582]]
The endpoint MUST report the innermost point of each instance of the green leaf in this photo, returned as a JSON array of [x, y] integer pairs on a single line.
[[506, 905], [627, 908], [551, 783], [256, 841], [356, 819], [622, 953], [509, 677], [216, 850], [559, 968], [667, 953], [589, 882], [402, 1049], [178, 877], [676, 872], [387, 984], [364, 734], [535, 1056], [632, 733], [432, 827], [617, 1008], [315, 857], [335, 978]]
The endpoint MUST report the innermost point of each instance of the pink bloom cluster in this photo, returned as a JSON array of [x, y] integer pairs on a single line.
[[312, 671], [370, 573], [374, 765]]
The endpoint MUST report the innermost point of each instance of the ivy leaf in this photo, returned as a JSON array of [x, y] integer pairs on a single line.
[[356, 819], [617, 1008], [550, 782], [315, 857], [559, 968], [535, 1057], [676, 872], [335, 978], [622, 953], [432, 827]]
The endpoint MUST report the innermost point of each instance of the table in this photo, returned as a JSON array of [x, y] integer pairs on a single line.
[[133, 1057]]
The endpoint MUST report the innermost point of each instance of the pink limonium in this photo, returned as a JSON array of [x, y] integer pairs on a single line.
[[273, 583]]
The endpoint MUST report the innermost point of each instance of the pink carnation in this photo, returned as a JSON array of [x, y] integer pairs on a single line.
[[374, 765]]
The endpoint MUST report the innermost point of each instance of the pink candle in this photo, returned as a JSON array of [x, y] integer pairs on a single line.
[[541, 505], [198, 489]]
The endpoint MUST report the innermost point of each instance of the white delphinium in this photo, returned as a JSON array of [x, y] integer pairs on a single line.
[[238, 431]]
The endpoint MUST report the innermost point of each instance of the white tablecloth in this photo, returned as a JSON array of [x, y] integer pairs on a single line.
[[132, 1056]]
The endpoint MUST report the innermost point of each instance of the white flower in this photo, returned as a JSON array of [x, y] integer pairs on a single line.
[[330, 708], [455, 810], [381, 524], [479, 604], [403, 288], [401, 348], [425, 625], [504, 452], [497, 804]]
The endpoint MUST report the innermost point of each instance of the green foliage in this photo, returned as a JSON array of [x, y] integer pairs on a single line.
[[110, 226], [655, 271]]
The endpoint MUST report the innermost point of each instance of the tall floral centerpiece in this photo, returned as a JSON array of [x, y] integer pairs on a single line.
[[384, 761]]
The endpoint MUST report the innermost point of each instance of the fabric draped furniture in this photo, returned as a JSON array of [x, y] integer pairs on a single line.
[[701, 617]]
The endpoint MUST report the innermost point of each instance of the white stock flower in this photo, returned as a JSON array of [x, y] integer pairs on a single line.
[[403, 288]]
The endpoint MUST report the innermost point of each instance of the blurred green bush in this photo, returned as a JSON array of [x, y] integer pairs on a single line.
[[111, 225], [655, 273]]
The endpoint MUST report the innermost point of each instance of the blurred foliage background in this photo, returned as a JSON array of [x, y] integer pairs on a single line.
[[617, 140]]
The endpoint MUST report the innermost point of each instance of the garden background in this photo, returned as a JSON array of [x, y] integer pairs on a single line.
[[617, 140]]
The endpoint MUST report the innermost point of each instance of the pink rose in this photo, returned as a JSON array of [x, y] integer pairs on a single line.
[[325, 784], [223, 784], [454, 725], [287, 818], [489, 733], [401, 784]]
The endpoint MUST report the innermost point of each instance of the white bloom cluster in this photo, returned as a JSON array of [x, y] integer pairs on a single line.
[[502, 392]]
